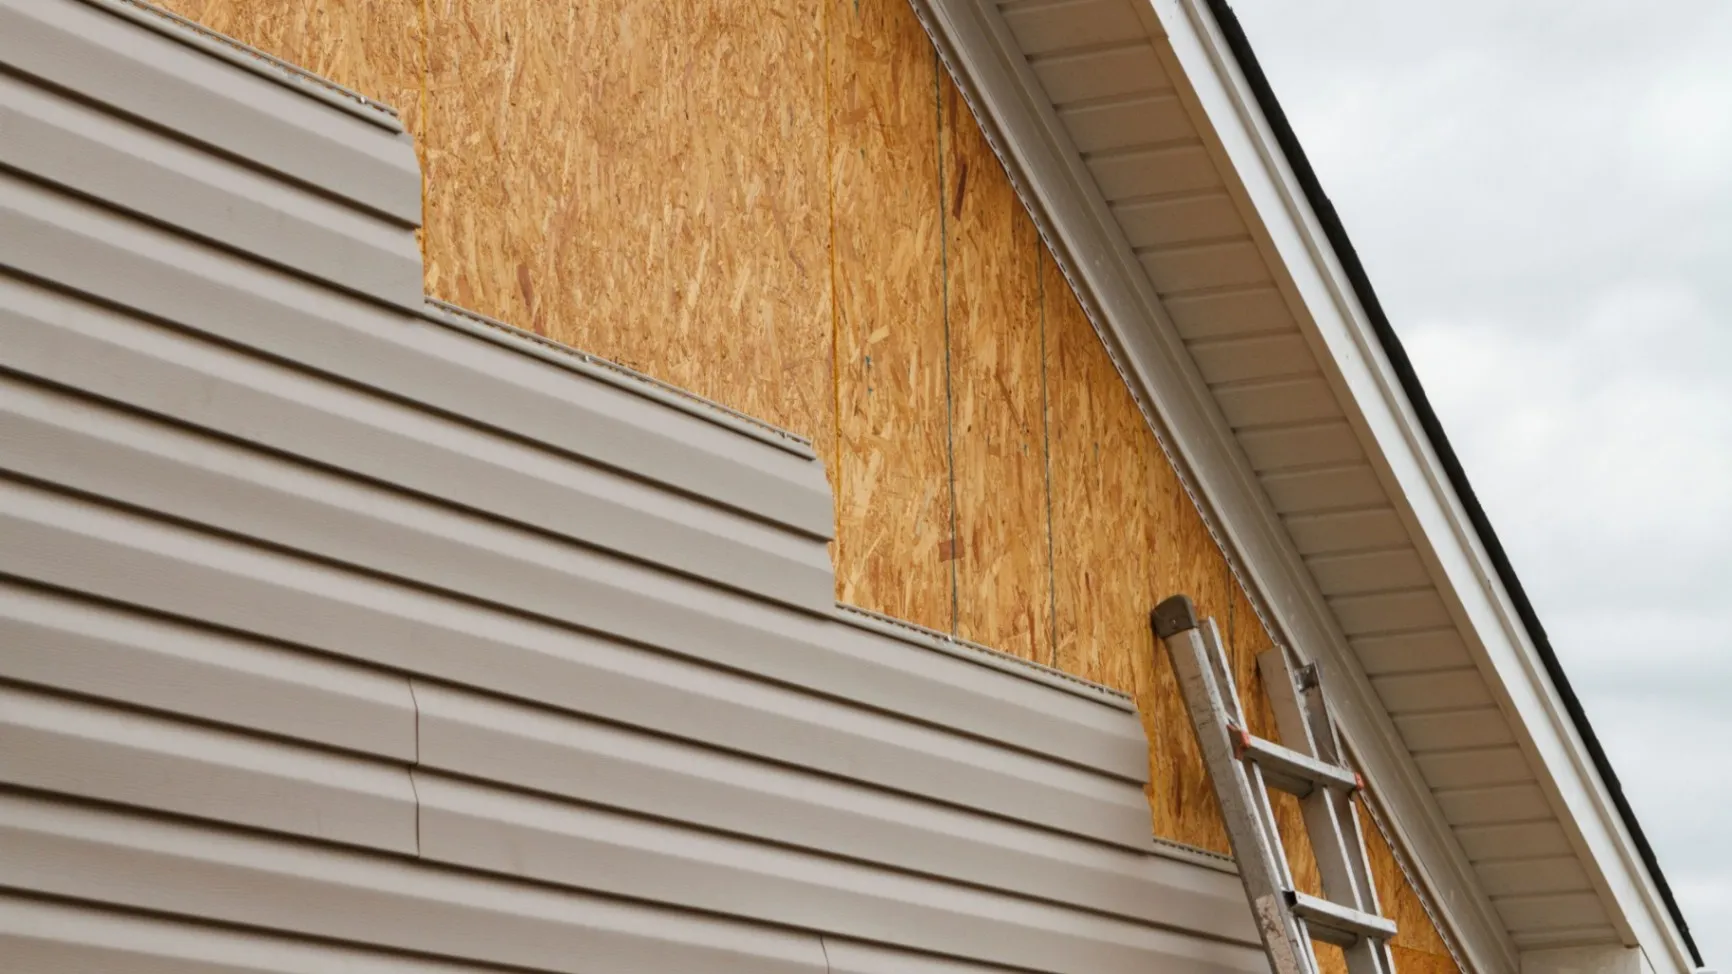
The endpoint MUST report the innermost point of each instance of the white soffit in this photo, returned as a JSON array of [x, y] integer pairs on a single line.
[[1131, 133]]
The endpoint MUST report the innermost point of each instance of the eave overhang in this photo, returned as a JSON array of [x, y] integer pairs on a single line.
[[1150, 151]]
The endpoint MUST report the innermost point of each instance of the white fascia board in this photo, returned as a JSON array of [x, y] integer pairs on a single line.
[[1494, 631], [1090, 247]]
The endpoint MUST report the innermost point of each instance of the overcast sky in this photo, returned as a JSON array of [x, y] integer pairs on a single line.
[[1542, 194]]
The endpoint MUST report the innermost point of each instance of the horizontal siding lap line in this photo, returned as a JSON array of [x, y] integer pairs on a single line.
[[549, 841], [88, 649], [396, 356], [864, 653], [338, 519], [225, 204], [595, 367], [50, 935], [508, 744], [71, 774], [212, 102], [267, 65], [462, 886], [394, 902], [918, 635], [69, 748], [347, 517], [407, 630]]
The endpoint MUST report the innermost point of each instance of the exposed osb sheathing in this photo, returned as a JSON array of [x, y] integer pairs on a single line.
[[892, 471], [785, 206], [992, 288], [643, 180]]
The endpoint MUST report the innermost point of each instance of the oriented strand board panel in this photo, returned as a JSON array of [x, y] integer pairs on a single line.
[[641, 180], [998, 410], [1124, 536], [1417, 935], [895, 517]]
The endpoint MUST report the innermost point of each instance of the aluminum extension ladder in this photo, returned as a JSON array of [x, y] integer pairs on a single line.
[[1243, 768]]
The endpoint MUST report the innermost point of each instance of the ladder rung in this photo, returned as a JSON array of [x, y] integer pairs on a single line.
[[1289, 770], [1333, 923]]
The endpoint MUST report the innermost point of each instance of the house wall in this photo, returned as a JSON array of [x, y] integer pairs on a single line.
[[784, 205]]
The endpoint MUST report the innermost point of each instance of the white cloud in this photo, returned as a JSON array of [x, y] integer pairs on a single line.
[[1542, 193]]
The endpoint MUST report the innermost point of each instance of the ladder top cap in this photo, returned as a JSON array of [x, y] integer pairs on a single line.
[[1173, 616]]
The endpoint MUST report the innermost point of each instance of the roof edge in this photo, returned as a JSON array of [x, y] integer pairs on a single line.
[[1335, 232]]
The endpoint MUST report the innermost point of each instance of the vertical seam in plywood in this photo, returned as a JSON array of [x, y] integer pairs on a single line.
[[1064, 260], [835, 470], [938, 76], [1046, 455], [421, 121]]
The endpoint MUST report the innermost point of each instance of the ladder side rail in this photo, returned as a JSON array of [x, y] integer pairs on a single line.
[[1380, 959], [1239, 789], [1342, 879], [1302, 716]]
